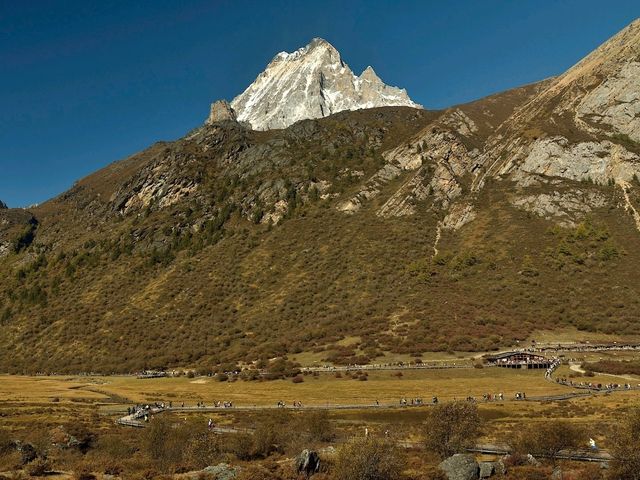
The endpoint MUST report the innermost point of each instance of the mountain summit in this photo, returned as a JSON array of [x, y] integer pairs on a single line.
[[312, 82]]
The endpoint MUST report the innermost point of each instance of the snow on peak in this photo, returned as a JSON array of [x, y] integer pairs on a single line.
[[311, 82]]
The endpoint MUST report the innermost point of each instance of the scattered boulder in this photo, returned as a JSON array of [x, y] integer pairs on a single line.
[[461, 466], [308, 462], [222, 471], [531, 460], [487, 469], [501, 467]]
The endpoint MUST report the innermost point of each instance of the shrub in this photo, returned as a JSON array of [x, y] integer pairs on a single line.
[[203, 448], [241, 445], [529, 473], [549, 438], [625, 448], [452, 427], [38, 468], [319, 426], [164, 442], [6, 444], [369, 458]]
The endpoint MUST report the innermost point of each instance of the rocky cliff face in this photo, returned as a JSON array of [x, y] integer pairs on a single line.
[[579, 127], [312, 82]]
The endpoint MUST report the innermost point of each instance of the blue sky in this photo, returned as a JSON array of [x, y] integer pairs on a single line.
[[86, 83]]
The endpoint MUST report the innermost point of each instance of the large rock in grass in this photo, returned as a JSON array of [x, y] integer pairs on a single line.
[[222, 471], [308, 462], [487, 469], [461, 466]]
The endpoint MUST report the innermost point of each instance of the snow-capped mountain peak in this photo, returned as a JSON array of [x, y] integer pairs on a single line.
[[311, 82]]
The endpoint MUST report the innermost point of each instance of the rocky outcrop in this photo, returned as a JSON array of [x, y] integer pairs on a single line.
[[221, 111], [564, 208], [312, 82], [460, 122], [460, 467], [17, 229], [459, 215], [3, 206], [371, 188], [599, 162], [438, 159], [615, 103]]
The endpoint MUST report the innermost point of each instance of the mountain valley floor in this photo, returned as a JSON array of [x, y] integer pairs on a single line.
[[33, 408]]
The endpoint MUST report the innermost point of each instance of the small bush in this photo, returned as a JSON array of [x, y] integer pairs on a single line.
[[369, 458], [38, 468], [319, 426], [452, 427]]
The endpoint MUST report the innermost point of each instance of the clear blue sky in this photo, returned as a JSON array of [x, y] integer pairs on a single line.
[[84, 83]]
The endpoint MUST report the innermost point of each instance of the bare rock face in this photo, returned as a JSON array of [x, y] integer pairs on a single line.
[[459, 215], [596, 161], [221, 111], [616, 102], [312, 82], [564, 208]]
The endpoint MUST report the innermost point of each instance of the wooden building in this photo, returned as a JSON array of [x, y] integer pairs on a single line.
[[519, 360]]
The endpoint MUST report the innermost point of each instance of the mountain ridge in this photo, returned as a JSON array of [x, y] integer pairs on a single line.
[[402, 229]]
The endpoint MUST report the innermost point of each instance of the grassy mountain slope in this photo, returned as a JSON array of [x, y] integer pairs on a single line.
[[382, 230]]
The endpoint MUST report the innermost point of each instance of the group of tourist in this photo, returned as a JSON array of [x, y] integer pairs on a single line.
[[216, 404], [296, 404], [595, 386], [492, 397], [554, 364]]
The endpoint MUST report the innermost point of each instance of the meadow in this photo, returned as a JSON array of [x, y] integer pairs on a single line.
[[38, 408]]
